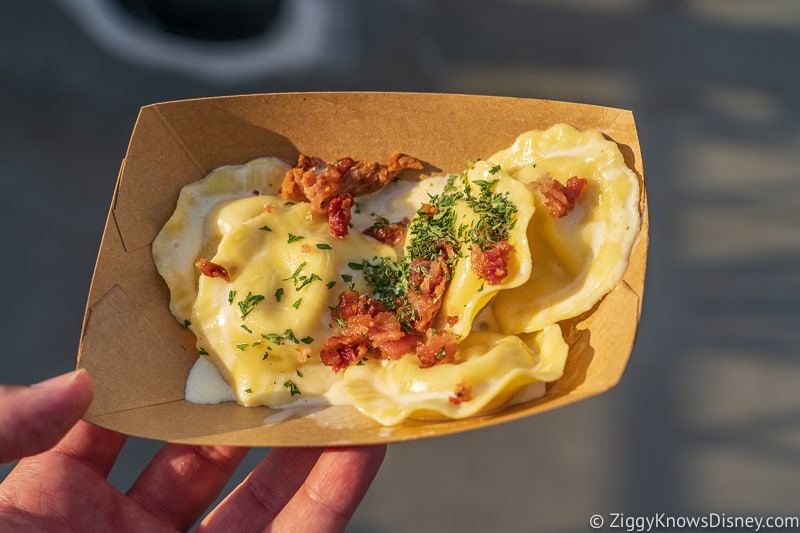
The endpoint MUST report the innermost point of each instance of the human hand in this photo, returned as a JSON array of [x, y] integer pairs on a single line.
[[65, 487]]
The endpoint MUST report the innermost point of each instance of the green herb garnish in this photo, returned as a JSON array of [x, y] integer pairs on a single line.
[[289, 384], [249, 303]]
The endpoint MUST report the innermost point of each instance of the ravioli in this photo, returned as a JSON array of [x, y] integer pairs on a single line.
[[267, 322], [497, 369], [473, 292], [580, 257], [263, 326]]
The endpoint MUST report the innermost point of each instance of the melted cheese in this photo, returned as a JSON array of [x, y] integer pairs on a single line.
[[263, 329]]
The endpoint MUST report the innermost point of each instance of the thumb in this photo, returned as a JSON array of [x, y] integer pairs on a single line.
[[33, 419]]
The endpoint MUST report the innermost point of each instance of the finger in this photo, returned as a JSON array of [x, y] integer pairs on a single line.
[[33, 419], [333, 490], [183, 480], [93, 446], [260, 497]]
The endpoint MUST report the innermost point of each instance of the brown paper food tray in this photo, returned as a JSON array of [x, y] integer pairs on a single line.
[[140, 356]]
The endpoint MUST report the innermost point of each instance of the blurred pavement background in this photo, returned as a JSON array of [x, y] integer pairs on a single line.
[[707, 416]]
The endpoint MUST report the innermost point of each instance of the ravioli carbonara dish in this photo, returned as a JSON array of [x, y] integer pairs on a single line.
[[355, 282]]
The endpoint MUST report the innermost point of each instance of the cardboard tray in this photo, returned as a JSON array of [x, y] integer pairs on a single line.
[[139, 356]]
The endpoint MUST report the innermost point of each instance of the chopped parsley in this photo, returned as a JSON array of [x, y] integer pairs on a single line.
[[324, 246], [388, 278], [289, 335], [441, 222], [278, 339], [249, 303], [300, 280], [289, 384], [294, 238], [274, 338]]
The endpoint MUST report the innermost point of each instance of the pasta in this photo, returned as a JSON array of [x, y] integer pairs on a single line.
[[437, 298]]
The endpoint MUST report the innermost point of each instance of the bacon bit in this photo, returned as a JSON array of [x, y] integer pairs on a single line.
[[557, 197], [339, 352], [428, 210], [306, 248], [268, 208], [437, 348], [304, 183], [398, 348], [388, 233], [339, 215], [367, 327], [350, 303], [399, 162], [452, 320], [357, 326], [491, 264], [212, 270], [298, 179], [462, 393], [385, 328], [428, 281]]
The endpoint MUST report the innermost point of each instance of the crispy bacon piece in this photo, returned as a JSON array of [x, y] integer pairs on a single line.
[[368, 327], [365, 327], [491, 264], [437, 348], [351, 303], [557, 197], [462, 393], [298, 179], [397, 348], [327, 189], [340, 352], [212, 270], [339, 215], [391, 233], [305, 183], [428, 281]]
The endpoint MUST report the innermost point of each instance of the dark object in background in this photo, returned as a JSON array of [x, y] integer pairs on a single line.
[[210, 20]]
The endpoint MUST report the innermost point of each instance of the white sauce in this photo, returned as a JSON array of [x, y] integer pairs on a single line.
[[206, 386]]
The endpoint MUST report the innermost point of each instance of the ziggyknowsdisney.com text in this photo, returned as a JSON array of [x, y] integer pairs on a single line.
[[654, 522]]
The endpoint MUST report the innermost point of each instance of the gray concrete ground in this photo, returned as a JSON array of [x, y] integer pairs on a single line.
[[707, 417]]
